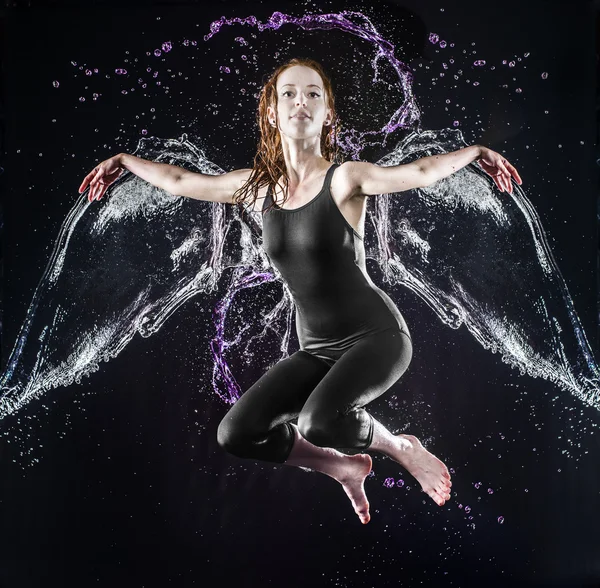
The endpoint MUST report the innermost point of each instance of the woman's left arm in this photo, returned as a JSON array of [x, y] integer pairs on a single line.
[[371, 179]]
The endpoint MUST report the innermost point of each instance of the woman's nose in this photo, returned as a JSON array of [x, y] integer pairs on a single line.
[[301, 99]]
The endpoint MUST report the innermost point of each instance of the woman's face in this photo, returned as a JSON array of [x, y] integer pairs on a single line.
[[301, 110]]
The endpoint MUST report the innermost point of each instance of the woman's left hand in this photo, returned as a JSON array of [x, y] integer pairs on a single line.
[[499, 169]]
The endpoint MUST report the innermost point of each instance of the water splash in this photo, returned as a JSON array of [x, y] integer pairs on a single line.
[[487, 265], [477, 257], [498, 277], [352, 142]]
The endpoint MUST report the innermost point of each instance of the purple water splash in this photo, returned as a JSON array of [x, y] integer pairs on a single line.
[[350, 141], [219, 344], [388, 482]]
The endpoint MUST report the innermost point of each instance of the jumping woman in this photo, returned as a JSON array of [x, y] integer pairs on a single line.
[[354, 342]]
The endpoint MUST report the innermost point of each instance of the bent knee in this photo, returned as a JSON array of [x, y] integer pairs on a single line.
[[315, 430], [230, 437]]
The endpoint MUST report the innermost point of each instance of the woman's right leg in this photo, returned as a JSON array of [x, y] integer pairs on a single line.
[[257, 427]]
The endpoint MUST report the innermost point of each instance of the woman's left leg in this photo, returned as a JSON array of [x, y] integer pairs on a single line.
[[334, 414]]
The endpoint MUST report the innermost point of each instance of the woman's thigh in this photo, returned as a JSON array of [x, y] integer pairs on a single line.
[[362, 374], [278, 395]]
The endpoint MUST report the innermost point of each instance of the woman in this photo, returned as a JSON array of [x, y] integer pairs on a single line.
[[354, 342]]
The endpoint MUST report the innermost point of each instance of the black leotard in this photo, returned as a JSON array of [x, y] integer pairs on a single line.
[[322, 259], [354, 343]]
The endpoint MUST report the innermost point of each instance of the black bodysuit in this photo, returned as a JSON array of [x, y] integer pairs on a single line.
[[354, 343]]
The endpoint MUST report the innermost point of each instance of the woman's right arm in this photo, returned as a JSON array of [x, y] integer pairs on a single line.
[[171, 178]]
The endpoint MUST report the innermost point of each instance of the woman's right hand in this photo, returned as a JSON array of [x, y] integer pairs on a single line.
[[101, 177]]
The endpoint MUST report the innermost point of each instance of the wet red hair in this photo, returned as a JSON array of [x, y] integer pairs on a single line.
[[269, 163]]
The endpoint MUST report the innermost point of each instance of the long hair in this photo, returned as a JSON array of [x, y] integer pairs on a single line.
[[269, 163]]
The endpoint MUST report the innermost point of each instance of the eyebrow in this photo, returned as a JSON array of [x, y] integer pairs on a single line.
[[309, 86]]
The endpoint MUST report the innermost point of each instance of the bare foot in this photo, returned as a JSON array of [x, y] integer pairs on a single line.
[[428, 470], [352, 480]]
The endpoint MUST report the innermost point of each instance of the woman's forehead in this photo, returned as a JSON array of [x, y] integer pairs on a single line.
[[299, 75]]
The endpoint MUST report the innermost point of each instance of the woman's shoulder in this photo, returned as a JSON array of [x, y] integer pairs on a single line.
[[346, 179], [256, 205]]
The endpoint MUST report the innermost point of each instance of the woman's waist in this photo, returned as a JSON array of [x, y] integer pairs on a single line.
[[342, 320]]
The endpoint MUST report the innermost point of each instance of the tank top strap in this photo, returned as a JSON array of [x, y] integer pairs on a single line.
[[329, 175], [267, 199]]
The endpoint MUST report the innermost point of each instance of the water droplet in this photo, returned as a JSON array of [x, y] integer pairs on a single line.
[[388, 482], [55, 83], [157, 53], [479, 63], [144, 132], [467, 509], [400, 483], [81, 99], [545, 75], [443, 44], [433, 38], [501, 520], [511, 64], [167, 46], [120, 71], [490, 491]]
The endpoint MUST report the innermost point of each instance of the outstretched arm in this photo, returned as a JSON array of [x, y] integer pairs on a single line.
[[171, 178], [370, 179]]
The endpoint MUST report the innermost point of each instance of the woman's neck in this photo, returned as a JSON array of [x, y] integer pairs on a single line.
[[303, 160]]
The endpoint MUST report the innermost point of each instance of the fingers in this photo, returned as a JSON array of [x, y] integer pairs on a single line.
[[510, 172], [501, 170], [95, 184], [87, 180], [503, 178], [514, 172]]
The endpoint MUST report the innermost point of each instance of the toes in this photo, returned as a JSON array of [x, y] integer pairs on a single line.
[[364, 515]]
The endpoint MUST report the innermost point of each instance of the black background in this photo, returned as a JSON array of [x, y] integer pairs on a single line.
[[119, 481]]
